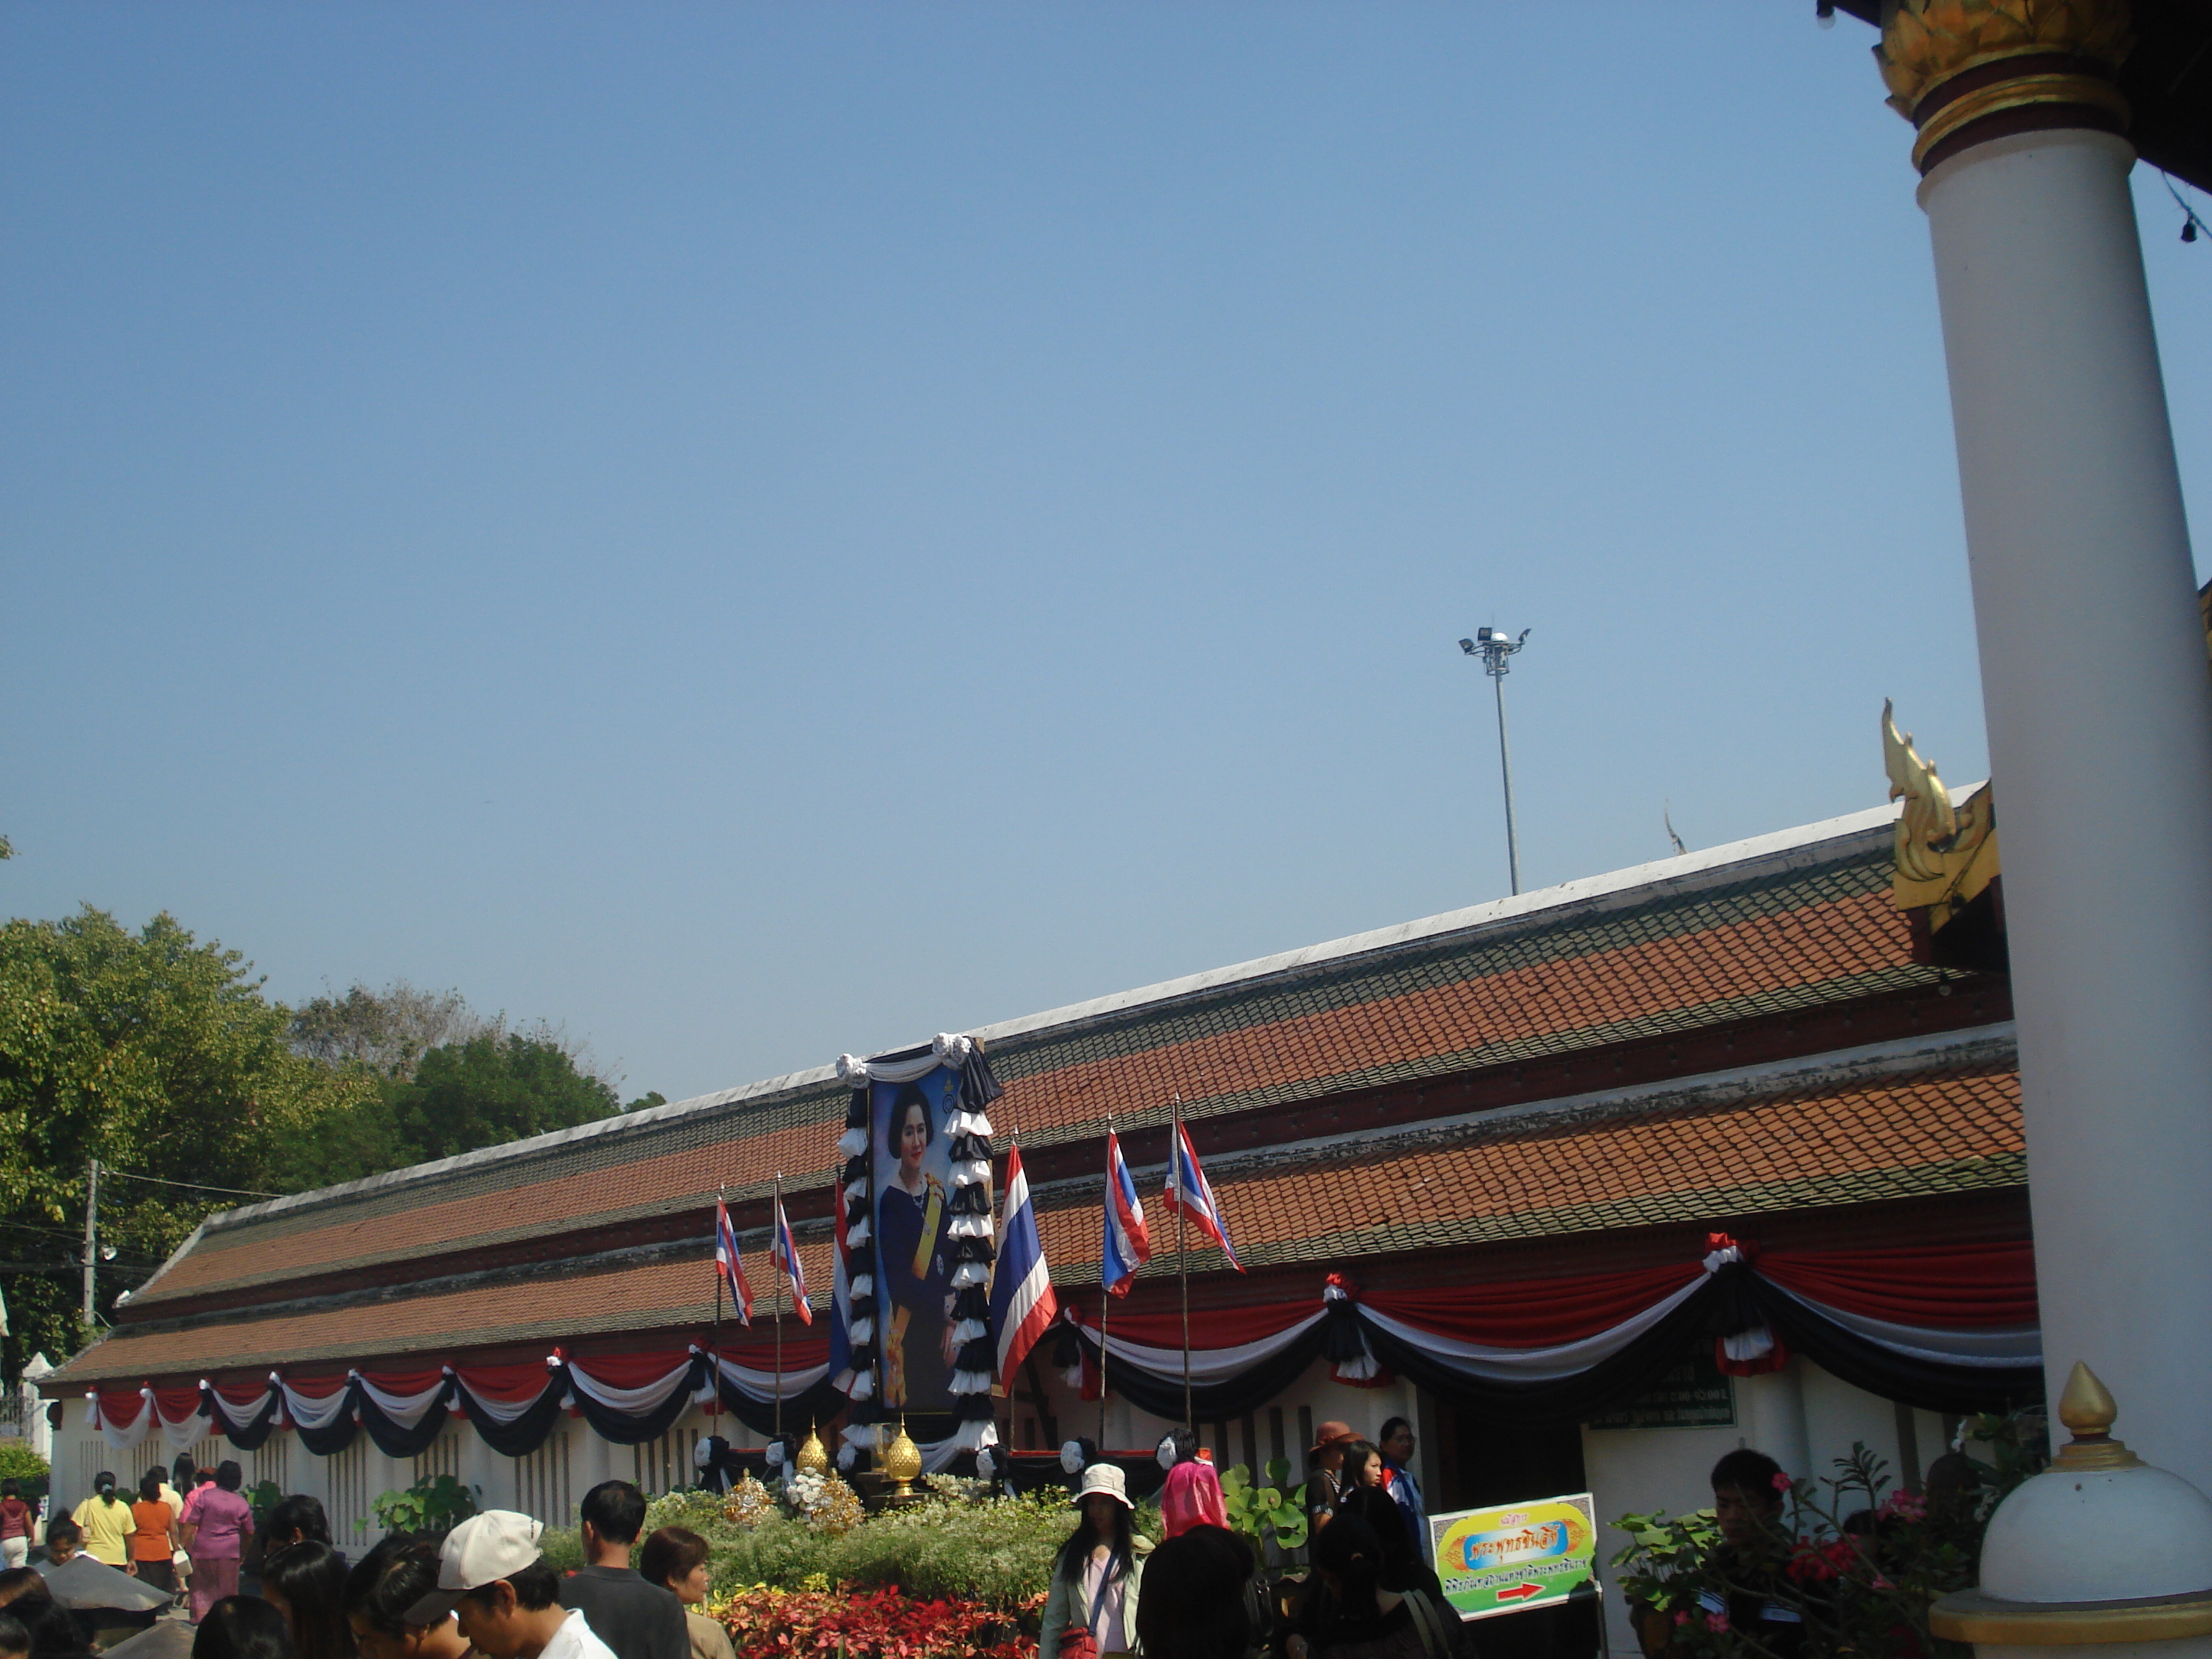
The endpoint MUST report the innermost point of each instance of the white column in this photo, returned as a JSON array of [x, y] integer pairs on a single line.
[[2101, 742], [1777, 1402]]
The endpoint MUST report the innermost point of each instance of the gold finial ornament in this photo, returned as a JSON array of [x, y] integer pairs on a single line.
[[1952, 64], [1944, 856], [1926, 826], [2087, 1407], [814, 1456], [902, 1463]]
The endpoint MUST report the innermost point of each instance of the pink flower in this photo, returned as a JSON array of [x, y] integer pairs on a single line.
[[1781, 1481], [1718, 1623], [1681, 1618]]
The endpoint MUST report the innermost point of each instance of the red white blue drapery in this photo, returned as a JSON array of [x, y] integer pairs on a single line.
[[1948, 1328], [626, 1398]]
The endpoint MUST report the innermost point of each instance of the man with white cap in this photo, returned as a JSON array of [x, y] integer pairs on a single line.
[[495, 1580]]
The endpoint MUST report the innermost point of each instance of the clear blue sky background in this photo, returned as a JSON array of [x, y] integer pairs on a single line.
[[753, 531]]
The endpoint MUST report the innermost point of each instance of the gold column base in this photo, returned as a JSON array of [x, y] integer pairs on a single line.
[[1971, 1616]]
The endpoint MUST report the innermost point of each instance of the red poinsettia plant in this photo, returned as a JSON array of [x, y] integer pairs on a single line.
[[857, 1622], [1853, 1570]]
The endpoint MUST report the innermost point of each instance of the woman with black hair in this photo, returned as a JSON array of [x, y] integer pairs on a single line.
[[1405, 1565], [1098, 1575], [152, 1534], [106, 1522], [378, 1592], [18, 1521], [243, 1627], [1347, 1613], [217, 1524], [306, 1583], [676, 1556], [298, 1519], [913, 1243]]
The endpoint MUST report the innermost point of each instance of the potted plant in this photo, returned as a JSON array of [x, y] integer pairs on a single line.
[[428, 1510]]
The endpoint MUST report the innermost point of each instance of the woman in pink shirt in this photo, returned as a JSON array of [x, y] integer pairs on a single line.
[[217, 1522]]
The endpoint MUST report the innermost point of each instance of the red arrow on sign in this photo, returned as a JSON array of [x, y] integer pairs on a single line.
[[1520, 1592]]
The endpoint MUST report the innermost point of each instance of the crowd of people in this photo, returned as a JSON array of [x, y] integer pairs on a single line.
[[1371, 1594], [488, 1593]]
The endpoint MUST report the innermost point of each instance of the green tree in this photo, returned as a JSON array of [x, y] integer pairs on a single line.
[[497, 1087], [159, 1056]]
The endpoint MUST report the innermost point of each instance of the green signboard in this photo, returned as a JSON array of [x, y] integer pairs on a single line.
[[1694, 1394], [1516, 1556]]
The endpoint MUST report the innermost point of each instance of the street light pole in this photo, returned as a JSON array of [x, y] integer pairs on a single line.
[[1493, 647]]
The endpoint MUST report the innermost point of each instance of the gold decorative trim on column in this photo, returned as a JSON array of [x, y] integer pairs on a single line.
[[1952, 64]]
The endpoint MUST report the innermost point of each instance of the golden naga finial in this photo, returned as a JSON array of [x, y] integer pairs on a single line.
[[1928, 826]]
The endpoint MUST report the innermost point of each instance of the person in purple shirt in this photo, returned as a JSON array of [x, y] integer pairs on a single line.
[[218, 1522]]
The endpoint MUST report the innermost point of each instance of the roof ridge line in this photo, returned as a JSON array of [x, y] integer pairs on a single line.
[[1682, 873], [1766, 1080]]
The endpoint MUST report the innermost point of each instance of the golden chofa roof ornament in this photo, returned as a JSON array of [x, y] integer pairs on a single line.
[[902, 1463], [814, 1456], [1945, 856]]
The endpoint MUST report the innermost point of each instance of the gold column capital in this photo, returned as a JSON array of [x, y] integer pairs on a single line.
[[2002, 66]]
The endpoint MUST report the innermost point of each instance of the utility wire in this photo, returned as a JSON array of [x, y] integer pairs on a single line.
[[190, 1186]]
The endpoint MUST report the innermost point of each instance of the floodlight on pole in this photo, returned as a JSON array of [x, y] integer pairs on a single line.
[[1494, 646]]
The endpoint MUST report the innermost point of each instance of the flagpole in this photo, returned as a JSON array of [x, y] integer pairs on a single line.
[[990, 1284], [714, 1350], [775, 1226], [1177, 1177], [1105, 1296]]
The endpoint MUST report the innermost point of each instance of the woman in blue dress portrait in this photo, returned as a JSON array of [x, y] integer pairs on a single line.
[[913, 1253]]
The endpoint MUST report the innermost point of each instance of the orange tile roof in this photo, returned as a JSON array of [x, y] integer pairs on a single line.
[[536, 1308], [1429, 1008], [1892, 1137], [1597, 1168]]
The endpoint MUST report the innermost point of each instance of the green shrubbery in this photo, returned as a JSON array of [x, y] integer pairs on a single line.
[[997, 1552], [18, 1462]]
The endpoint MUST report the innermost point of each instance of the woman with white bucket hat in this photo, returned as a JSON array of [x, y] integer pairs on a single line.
[[1097, 1575]]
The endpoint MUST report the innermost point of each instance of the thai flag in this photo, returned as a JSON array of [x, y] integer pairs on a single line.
[[784, 1252], [1022, 1300], [727, 1264], [1189, 1192], [1128, 1246]]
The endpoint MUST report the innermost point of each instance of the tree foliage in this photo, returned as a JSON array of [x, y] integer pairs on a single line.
[[387, 1031], [161, 1057], [157, 1055]]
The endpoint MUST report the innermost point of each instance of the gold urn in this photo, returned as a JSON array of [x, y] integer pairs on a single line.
[[902, 1463], [814, 1456]]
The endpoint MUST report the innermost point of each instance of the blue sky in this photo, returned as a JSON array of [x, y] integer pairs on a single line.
[[754, 531]]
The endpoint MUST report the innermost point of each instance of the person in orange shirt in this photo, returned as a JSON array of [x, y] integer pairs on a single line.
[[154, 1535]]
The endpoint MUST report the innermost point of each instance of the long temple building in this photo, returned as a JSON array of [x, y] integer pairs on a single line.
[[1591, 1184]]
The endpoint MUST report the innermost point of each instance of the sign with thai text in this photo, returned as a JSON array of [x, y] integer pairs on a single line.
[[1694, 1394], [1516, 1556]]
